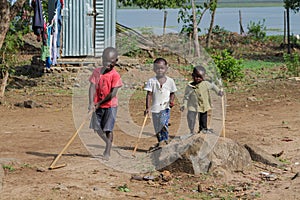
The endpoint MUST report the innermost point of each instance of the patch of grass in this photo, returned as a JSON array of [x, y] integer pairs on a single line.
[[123, 188], [26, 165], [284, 161], [258, 64], [9, 168]]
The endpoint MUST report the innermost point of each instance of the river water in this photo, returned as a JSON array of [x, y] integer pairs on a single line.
[[227, 18]]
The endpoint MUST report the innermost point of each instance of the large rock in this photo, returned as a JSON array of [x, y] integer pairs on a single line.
[[201, 154], [259, 155]]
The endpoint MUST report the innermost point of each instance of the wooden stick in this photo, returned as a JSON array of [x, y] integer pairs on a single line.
[[223, 116], [52, 166], [137, 142]]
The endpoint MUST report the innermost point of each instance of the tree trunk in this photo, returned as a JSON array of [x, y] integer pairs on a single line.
[[5, 20], [8, 13], [195, 31], [3, 85], [212, 19]]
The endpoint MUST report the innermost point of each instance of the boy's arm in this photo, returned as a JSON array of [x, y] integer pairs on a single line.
[[216, 89], [172, 98], [92, 91], [186, 97], [113, 92], [148, 101]]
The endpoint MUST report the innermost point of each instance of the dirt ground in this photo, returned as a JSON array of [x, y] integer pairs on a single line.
[[267, 114]]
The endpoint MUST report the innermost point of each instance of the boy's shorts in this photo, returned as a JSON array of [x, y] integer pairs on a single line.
[[104, 119]]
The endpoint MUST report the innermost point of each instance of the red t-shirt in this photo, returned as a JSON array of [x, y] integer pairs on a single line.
[[104, 83]]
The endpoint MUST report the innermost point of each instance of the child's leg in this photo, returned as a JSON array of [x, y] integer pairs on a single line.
[[164, 121], [108, 122], [191, 119], [156, 124], [202, 121], [109, 139]]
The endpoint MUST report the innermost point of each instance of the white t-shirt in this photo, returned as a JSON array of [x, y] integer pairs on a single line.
[[160, 95]]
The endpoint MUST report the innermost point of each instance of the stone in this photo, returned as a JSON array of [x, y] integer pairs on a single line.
[[30, 104], [259, 155], [201, 154]]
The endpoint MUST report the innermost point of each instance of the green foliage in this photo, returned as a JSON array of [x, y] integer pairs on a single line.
[[292, 63], [14, 40], [9, 168], [128, 46], [219, 30], [229, 67], [292, 4], [275, 38], [185, 16], [158, 4], [257, 30], [123, 188]]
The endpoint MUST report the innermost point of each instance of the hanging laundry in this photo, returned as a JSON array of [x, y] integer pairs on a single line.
[[59, 7], [38, 20]]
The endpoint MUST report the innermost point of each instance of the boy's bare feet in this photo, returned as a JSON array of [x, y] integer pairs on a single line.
[[106, 156]]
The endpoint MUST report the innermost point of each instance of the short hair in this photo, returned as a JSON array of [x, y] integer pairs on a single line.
[[110, 51], [199, 68], [157, 60]]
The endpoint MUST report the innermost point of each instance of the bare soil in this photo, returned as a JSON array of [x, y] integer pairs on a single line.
[[263, 111], [265, 114]]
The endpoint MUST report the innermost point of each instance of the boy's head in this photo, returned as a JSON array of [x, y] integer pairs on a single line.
[[109, 58], [160, 66], [198, 74]]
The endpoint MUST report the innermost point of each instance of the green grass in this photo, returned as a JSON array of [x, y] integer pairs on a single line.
[[9, 168], [258, 64]]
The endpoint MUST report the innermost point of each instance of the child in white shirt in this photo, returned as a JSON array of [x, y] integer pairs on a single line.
[[160, 98]]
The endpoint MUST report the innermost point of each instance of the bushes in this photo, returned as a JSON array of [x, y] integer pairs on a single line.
[[292, 63], [257, 30], [229, 67]]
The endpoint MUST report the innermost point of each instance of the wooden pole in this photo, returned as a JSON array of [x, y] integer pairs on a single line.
[[240, 22], [288, 30], [137, 142], [52, 166], [165, 21], [284, 27], [223, 116]]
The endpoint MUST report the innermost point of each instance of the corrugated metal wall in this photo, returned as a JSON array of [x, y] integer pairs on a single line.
[[78, 28], [88, 27], [105, 25]]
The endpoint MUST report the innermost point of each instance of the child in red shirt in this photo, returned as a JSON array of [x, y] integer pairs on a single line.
[[104, 84]]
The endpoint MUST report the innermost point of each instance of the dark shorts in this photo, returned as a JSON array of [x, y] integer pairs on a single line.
[[104, 119]]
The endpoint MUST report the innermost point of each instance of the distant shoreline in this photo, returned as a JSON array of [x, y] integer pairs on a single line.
[[232, 5]]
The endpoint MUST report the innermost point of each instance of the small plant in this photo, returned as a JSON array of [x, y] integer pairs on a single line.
[[123, 188], [292, 63], [257, 30], [229, 67], [285, 161], [9, 168], [219, 30], [26, 165]]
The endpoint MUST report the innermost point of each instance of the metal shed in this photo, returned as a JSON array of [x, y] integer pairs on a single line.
[[88, 26]]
